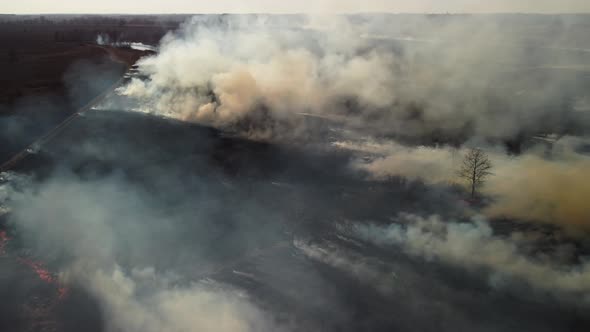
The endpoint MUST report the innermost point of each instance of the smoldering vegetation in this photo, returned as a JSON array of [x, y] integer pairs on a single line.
[[200, 230], [452, 82], [474, 245], [151, 238], [423, 79], [271, 173], [546, 184]]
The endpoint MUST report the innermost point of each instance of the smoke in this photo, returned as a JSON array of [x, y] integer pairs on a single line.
[[535, 189], [10, 184], [459, 80], [546, 184], [103, 39], [362, 268], [411, 76], [143, 300], [474, 245], [148, 255], [112, 238], [147, 239], [38, 112], [390, 159]]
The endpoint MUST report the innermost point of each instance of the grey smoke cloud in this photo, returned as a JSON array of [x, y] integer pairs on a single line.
[[388, 158], [474, 245], [242, 79], [144, 300], [107, 228], [109, 237], [365, 269], [411, 77], [463, 80], [533, 187]]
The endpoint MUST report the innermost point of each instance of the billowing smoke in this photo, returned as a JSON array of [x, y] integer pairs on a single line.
[[545, 184], [474, 245], [107, 238], [225, 234], [445, 79], [389, 159], [552, 191], [143, 300], [455, 80]]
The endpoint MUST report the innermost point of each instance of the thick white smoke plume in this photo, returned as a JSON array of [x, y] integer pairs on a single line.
[[446, 79], [388, 158], [144, 241], [461, 80], [144, 300]]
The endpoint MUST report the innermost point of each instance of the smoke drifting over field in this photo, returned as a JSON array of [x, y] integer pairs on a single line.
[[532, 187], [144, 301], [95, 226], [460, 81], [428, 78], [474, 246], [299, 174]]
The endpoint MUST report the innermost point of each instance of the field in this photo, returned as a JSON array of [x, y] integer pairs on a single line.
[[46, 66], [290, 173]]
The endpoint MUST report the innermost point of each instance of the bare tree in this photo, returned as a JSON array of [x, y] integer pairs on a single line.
[[475, 169]]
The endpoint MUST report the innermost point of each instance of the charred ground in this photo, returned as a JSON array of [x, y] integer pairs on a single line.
[[305, 193], [157, 196]]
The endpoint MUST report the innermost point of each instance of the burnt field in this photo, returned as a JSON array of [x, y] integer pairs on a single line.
[[46, 66], [283, 241], [293, 173]]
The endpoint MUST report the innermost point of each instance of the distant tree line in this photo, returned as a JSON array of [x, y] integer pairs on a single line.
[[168, 21]]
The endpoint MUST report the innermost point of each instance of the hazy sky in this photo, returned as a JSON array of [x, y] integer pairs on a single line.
[[289, 6]]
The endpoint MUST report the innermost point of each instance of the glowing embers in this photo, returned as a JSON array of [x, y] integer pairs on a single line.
[[41, 308], [37, 267], [45, 275], [62, 292]]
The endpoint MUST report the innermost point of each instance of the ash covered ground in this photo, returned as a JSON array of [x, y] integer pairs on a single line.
[[299, 174]]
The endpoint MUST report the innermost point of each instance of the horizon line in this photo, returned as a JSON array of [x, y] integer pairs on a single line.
[[301, 13]]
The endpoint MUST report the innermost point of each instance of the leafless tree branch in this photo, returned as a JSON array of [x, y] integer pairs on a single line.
[[475, 169]]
